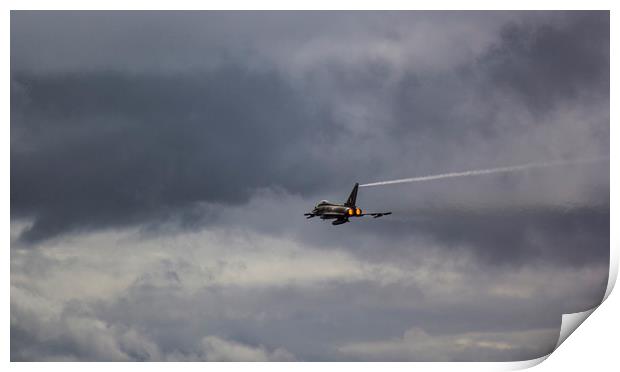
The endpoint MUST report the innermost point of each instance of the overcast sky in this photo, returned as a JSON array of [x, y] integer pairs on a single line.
[[161, 163]]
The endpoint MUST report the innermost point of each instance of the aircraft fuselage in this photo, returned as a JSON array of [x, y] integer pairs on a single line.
[[341, 212]]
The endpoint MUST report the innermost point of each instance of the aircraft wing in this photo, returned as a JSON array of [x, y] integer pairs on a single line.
[[376, 214]]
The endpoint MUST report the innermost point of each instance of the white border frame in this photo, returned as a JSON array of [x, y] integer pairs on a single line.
[[570, 321]]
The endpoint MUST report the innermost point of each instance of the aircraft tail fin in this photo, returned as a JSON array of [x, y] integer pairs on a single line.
[[353, 197]]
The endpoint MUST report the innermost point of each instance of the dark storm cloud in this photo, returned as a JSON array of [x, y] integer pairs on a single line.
[[105, 149], [513, 237], [533, 66], [94, 148], [551, 62]]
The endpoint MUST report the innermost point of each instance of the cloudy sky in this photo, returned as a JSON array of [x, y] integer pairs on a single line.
[[161, 163]]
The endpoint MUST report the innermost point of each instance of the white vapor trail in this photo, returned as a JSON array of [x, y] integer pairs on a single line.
[[477, 172]]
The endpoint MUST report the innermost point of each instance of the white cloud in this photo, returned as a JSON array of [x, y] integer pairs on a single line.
[[56, 330], [418, 345], [215, 349]]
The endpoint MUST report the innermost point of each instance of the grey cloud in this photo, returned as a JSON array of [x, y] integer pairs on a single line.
[[168, 42], [255, 293], [500, 235], [513, 237], [326, 317]]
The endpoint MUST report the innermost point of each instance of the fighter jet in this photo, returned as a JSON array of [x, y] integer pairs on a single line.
[[341, 213]]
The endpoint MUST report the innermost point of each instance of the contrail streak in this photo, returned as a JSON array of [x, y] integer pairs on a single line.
[[478, 172]]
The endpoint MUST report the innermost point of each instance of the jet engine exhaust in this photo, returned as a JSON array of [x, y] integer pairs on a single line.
[[478, 172]]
